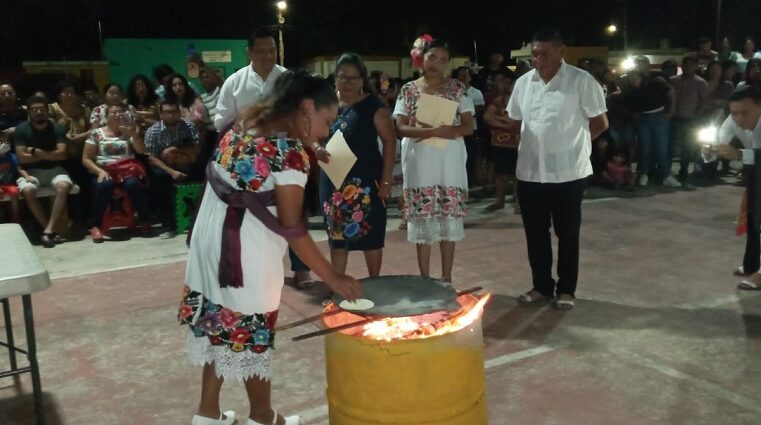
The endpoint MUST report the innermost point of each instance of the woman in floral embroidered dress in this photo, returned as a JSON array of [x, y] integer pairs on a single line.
[[355, 212], [232, 316], [435, 180]]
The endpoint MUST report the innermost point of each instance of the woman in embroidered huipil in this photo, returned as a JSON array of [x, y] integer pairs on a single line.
[[435, 180], [251, 211], [355, 212]]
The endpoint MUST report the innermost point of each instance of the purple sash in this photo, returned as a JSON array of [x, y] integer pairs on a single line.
[[238, 201]]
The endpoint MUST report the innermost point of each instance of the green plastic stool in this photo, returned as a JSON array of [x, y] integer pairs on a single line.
[[185, 196]]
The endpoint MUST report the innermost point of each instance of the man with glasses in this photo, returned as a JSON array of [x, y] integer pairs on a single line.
[[173, 148], [41, 149]]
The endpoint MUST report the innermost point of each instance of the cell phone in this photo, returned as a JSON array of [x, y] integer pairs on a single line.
[[125, 119]]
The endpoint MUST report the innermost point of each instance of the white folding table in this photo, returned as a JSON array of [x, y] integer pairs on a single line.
[[21, 274]]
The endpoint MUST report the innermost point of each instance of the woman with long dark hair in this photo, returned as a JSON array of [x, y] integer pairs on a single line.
[[141, 95], [355, 211], [435, 179], [178, 90], [234, 272]]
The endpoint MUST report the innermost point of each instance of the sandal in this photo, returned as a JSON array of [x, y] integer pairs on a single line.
[[226, 418], [58, 239], [527, 298], [290, 420], [403, 225], [563, 304], [747, 285], [48, 240], [740, 271]]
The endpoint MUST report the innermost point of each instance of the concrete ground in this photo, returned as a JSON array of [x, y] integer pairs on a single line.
[[660, 335]]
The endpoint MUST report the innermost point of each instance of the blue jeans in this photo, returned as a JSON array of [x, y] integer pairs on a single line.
[[138, 195], [653, 135]]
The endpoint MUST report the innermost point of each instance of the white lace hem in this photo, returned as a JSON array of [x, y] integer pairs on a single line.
[[227, 363], [428, 231]]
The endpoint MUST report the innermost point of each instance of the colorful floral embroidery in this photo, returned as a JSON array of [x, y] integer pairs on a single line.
[[250, 160], [240, 332], [435, 201], [410, 94], [347, 211]]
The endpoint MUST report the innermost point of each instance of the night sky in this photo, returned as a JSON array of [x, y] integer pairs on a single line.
[[68, 29]]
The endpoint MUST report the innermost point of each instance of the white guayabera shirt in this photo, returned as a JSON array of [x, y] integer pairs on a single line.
[[751, 139], [555, 139], [243, 89]]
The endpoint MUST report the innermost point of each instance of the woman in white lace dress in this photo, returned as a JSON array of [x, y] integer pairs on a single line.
[[435, 179], [251, 211]]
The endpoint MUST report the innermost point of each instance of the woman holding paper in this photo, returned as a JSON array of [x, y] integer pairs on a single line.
[[433, 155], [355, 203]]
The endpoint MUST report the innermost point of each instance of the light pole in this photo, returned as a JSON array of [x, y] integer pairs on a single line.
[[281, 8], [718, 24]]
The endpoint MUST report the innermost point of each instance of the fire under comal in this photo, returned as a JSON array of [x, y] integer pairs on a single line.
[[425, 369]]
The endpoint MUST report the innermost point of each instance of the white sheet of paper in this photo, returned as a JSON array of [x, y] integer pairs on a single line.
[[341, 159], [436, 111]]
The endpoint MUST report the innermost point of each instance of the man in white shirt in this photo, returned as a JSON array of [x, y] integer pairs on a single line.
[[744, 123], [250, 85], [462, 73], [247, 87], [559, 109]]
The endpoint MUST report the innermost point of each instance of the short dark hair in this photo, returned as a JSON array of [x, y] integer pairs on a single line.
[[689, 59], [746, 92], [259, 33], [456, 72], [65, 84], [548, 36], [168, 102], [161, 71], [35, 100]]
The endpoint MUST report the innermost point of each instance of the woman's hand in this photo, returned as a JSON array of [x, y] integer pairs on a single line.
[[322, 154], [446, 132], [384, 191], [345, 286], [103, 176]]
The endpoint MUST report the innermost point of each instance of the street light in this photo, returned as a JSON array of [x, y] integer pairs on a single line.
[[611, 30], [281, 8]]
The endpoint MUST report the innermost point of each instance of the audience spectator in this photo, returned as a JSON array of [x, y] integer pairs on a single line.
[[719, 89], [114, 95], [212, 84], [249, 85], [669, 69], [705, 54], [729, 72], [691, 93], [652, 101], [90, 95], [191, 107], [162, 73], [172, 146], [9, 174], [747, 53], [504, 143], [41, 148], [109, 151], [73, 116], [725, 51], [752, 75], [485, 77], [462, 73], [142, 97]]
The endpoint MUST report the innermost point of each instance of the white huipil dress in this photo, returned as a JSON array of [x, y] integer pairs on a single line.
[[435, 180], [234, 327]]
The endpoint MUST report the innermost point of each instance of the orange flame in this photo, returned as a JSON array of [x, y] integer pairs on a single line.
[[394, 328]]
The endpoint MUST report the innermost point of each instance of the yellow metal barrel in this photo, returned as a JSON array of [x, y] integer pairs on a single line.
[[438, 380]]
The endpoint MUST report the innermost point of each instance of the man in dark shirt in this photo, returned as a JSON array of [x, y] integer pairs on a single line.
[[173, 149], [652, 102], [41, 148]]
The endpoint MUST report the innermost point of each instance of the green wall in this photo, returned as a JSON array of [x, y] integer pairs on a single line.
[[130, 56]]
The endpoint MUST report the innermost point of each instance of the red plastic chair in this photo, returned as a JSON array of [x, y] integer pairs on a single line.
[[119, 213]]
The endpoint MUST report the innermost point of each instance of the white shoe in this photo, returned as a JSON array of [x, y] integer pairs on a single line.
[[227, 418], [290, 420], [642, 181], [671, 181]]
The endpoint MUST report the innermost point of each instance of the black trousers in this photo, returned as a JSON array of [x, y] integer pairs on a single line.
[[752, 259], [558, 205]]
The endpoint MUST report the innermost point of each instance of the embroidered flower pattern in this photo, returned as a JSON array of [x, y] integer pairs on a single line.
[[347, 211], [254, 332], [410, 94], [250, 160], [435, 201]]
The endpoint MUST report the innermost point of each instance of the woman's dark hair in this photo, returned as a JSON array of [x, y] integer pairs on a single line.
[[161, 71], [355, 60], [187, 99], [109, 85], [752, 63], [150, 95], [291, 88], [434, 44], [65, 84]]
